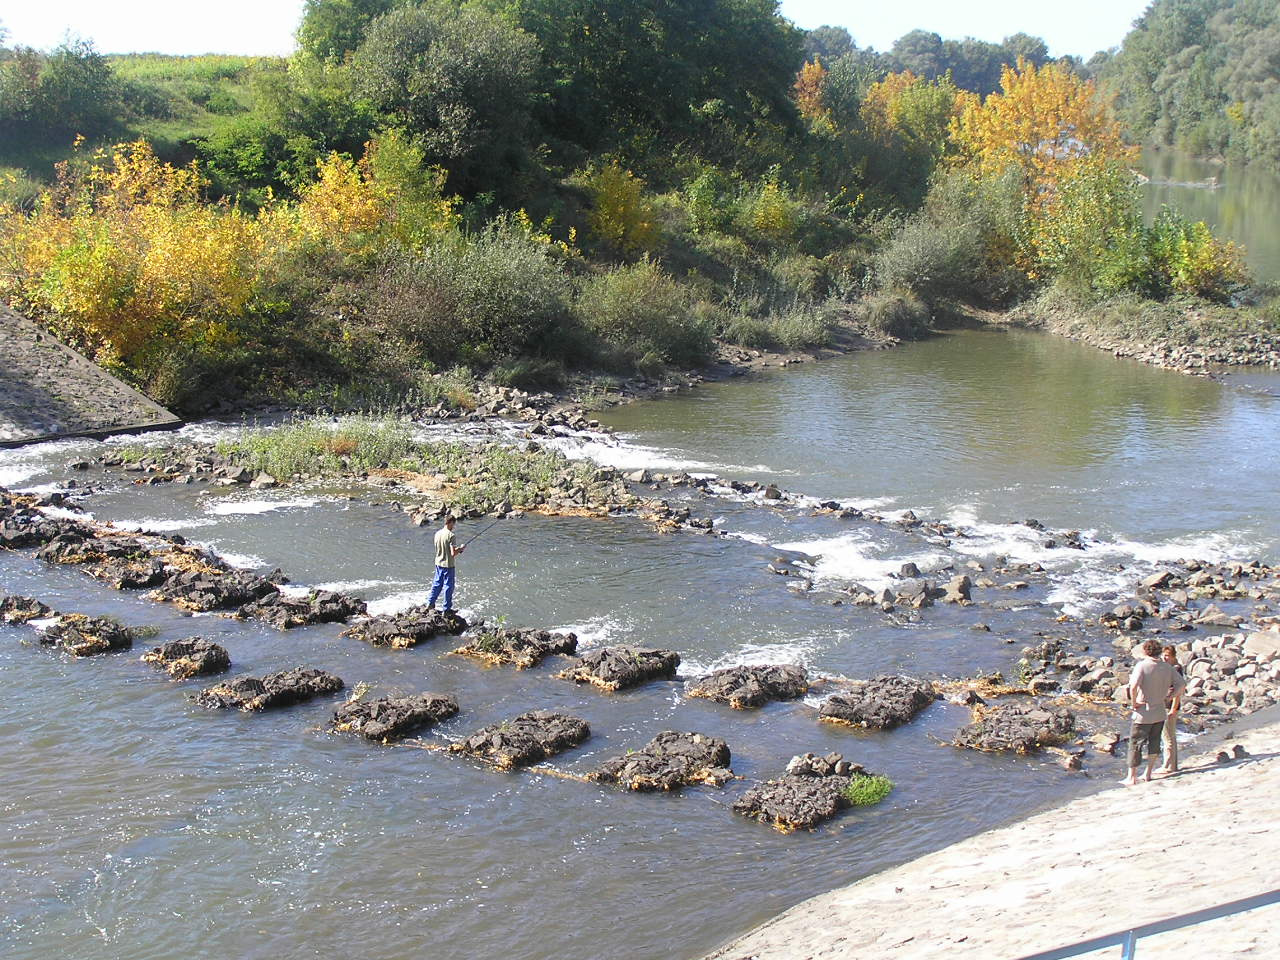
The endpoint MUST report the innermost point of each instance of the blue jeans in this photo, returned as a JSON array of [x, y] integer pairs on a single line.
[[444, 578]]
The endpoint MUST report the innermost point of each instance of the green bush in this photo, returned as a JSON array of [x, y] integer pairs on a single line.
[[963, 244], [530, 373], [800, 328], [898, 313], [645, 315], [480, 300], [934, 261], [867, 789]]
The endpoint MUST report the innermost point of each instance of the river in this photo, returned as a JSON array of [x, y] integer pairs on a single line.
[[135, 824]]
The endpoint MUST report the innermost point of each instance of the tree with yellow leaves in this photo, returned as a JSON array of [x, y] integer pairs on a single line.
[[808, 94], [1043, 120], [914, 112]]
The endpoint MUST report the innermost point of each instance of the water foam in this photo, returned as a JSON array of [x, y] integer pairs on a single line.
[[595, 632], [798, 652], [857, 557], [156, 525], [398, 602], [228, 507]]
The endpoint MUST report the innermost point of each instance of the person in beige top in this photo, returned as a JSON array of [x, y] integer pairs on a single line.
[[1152, 683], [446, 552]]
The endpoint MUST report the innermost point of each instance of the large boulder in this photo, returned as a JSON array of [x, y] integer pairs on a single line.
[[408, 628], [83, 636], [19, 609], [525, 739], [880, 703], [1019, 727], [616, 668], [391, 718], [520, 648], [669, 761], [190, 657], [813, 789], [280, 689], [129, 574], [752, 686], [319, 606], [201, 590]]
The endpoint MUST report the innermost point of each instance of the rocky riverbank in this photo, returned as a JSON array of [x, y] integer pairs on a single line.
[[1193, 338]]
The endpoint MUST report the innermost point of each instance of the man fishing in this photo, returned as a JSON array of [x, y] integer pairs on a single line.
[[446, 553]]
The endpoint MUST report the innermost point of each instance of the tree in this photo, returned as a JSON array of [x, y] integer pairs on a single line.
[[826, 43], [921, 53], [461, 81], [330, 29], [624, 71], [49, 99], [1043, 120]]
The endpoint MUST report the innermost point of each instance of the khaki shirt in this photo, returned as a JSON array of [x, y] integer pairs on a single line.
[[444, 547], [1153, 681]]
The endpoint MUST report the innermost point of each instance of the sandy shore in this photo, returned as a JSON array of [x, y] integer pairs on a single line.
[[1094, 866]]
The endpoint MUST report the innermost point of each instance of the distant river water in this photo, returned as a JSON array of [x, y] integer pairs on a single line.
[[1239, 203], [134, 824]]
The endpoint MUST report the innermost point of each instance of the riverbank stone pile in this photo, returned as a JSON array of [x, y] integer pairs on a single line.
[[519, 648], [881, 703], [406, 629], [189, 657], [18, 609], [1021, 727], [525, 739], [281, 689], [84, 636], [618, 668], [390, 718], [813, 789], [748, 687], [669, 761]]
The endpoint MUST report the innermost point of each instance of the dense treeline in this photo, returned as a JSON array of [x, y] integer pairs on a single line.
[[1202, 75], [525, 187]]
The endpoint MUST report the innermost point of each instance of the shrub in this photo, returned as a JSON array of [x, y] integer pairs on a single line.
[[645, 315], [933, 260], [800, 328], [966, 243], [479, 299], [1193, 260], [620, 216], [530, 373], [708, 199], [898, 313], [768, 214], [867, 789]]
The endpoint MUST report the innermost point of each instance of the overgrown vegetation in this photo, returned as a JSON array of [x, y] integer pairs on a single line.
[[519, 190], [473, 478]]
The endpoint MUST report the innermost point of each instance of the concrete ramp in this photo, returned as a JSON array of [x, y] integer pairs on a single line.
[[48, 390]]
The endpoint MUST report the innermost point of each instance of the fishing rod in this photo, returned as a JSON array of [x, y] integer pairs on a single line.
[[489, 527]]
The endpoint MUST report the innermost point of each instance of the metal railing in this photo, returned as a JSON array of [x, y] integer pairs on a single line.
[[1128, 939]]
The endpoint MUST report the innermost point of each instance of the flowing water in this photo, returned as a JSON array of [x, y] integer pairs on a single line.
[[133, 823], [1239, 203]]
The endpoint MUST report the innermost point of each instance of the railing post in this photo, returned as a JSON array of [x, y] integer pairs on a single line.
[[1130, 946]]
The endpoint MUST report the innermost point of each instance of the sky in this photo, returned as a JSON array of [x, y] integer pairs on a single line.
[[266, 26]]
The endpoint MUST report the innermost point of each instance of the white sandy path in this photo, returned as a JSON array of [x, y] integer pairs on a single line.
[[1094, 866]]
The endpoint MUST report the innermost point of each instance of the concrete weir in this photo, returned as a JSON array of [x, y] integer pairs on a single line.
[[48, 391]]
